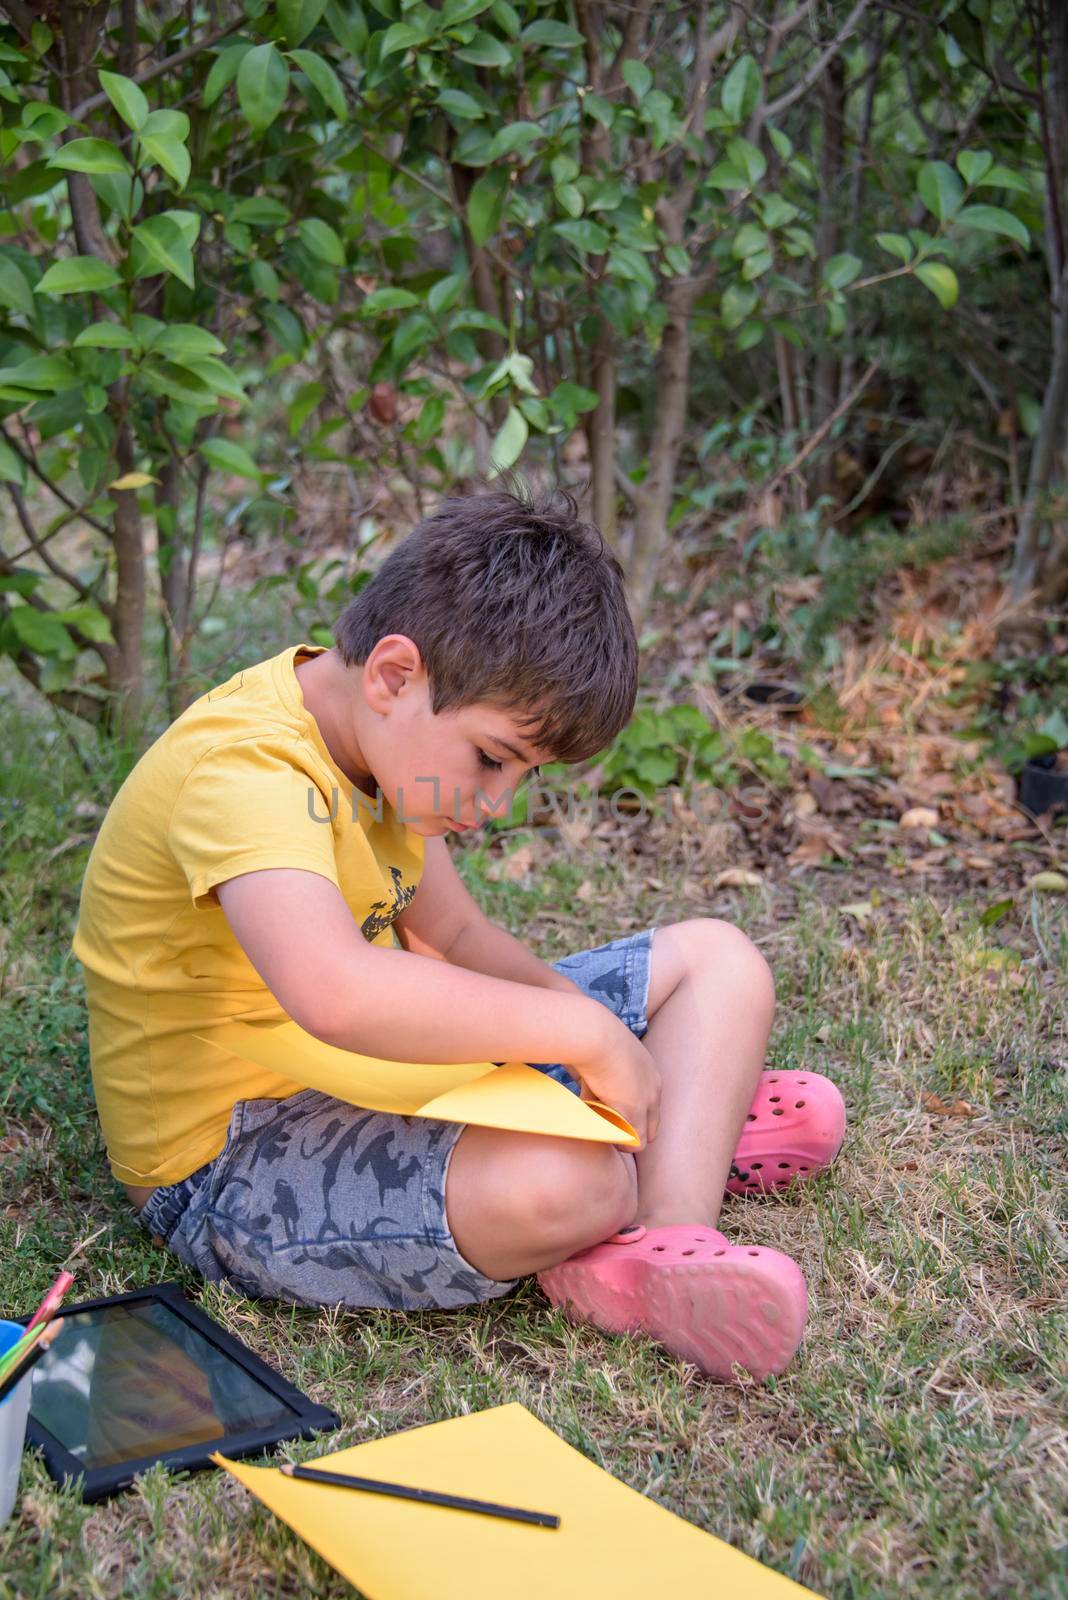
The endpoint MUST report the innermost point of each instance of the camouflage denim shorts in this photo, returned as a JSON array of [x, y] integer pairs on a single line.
[[318, 1202]]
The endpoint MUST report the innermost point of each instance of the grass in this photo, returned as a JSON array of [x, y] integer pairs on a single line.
[[917, 1445]]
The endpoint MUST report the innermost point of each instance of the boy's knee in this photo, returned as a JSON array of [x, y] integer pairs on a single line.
[[551, 1195], [570, 1193], [716, 948]]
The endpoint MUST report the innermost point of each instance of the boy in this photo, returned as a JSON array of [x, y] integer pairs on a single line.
[[280, 852]]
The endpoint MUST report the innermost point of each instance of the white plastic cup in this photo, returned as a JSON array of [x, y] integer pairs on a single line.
[[14, 1409]]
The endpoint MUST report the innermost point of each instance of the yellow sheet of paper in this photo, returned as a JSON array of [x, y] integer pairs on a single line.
[[513, 1096], [612, 1544]]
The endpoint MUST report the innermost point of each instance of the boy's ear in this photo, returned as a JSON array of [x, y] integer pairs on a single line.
[[393, 664]]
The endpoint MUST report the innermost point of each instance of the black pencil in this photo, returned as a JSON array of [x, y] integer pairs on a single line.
[[429, 1497]]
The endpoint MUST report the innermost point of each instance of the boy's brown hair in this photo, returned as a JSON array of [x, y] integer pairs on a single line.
[[512, 601]]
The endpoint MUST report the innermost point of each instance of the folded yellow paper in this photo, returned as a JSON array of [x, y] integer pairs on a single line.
[[513, 1096], [612, 1543]]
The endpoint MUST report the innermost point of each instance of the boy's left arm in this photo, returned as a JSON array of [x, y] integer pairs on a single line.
[[444, 921]]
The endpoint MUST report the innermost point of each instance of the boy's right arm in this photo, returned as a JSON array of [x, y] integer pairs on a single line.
[[300, 935]]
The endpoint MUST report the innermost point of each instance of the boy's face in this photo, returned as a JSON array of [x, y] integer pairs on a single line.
[[454, 769]]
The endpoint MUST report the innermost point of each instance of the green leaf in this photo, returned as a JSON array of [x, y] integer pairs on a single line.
[[569, 198], [170, 155], [749, 336], [485, 203], [262, 82], [165, 248], [557, 35], [507, 447], [77, 275], [840, 270], [219, 378], [223, 72], [265, 280], [127, 98], [973, 165], [741, 89], [941, 280], [105, 336], [303, 404], [940, 189], [748, 240], [226, 456], [323, 79], [412, 334], [41, 631], [181, 340], [15, 292], [724, 176], [460, 104], [485, 51], [1002, 178], [513, 137], [638, 78], [89, 155], [444, 294], [585, 234], [12, 466], [401, 36], [261, 211], [895, 244], [745, 157], [90, 620], [736, 304], [388, 299], [298, 18], [428, 423], [992, 219], [47, 372], [320, 239]]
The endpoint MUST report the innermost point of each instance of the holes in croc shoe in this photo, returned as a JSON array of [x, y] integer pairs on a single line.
[[773, 1080], [798, 1104], [719, 1252], [756, 1165], [659, 1247], [751, 1117], [777, 1113], [774, 1098], [804, 1169], [754, 1252], [803, 1082], [784, 1166], [687, 1252]]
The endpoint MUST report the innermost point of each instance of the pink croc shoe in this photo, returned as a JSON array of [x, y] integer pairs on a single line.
[[709, 1301], [794, 1128]]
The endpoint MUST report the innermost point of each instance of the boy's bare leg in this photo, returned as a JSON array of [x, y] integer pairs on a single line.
[[518, 1202], [711, 1005]]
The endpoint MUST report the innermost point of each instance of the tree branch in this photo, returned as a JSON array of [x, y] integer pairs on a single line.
[[774, 108], [95, 102]]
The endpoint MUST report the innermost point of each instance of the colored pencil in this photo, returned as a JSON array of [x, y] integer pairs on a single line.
[[33, 1354], [50, 1304], [11, 1358], [429, 1497]]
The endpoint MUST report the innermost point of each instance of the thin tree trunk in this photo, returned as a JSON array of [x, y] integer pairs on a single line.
[[1028, 567], [652, 498], [828, 366]]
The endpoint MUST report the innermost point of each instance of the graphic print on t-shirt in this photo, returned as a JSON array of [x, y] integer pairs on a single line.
[[382, 911]]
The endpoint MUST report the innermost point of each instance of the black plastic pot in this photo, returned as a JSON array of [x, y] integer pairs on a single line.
[[1042, 787]]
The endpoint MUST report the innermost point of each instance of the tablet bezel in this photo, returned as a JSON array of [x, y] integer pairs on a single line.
[[102, 1482]]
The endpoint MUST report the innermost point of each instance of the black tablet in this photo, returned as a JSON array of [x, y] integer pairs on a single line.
[[144, 1377]]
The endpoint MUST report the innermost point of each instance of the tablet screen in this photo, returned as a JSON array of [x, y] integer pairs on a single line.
[[131, 1380]]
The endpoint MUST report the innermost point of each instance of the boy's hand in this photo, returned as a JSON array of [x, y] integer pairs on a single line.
[[622, 1074]]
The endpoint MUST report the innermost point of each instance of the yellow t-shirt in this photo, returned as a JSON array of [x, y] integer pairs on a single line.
[[242, 780]]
